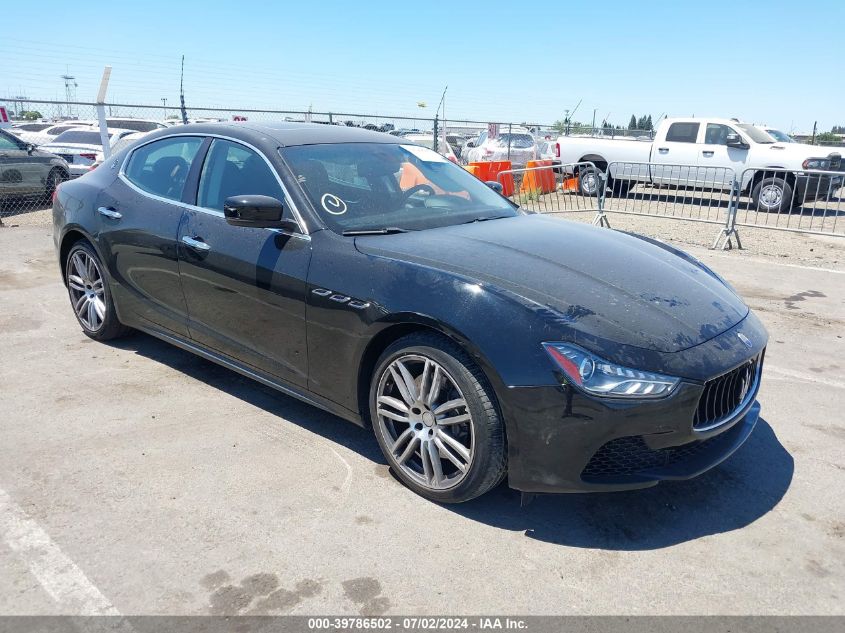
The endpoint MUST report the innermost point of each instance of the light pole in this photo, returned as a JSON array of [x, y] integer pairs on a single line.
[[164, 103]]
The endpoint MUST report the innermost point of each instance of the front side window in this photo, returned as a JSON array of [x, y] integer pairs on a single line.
[[7, 143], [364, 186], [717, 134], [682, 133], [161, 168], [232, 169]]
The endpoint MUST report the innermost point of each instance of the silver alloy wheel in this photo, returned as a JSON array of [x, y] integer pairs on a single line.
[[589, 182], [87, 295], [424, 420], [771, 196]]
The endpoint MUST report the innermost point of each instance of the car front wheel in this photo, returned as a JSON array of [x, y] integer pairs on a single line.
[[772, 195], [436, 419]]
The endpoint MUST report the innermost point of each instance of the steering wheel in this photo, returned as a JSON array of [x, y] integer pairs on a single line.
[[416, 189]]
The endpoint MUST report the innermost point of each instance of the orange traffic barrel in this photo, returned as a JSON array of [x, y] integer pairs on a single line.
[[490, 170]]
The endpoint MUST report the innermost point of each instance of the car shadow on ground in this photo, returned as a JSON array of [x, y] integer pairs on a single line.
[[736, 493]]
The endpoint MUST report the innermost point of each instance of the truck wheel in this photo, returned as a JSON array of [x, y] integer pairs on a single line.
[[589, 182], [772, 195], [619, 188]]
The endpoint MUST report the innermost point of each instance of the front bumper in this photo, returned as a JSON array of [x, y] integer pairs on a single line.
[[810, 187], [563, 440]]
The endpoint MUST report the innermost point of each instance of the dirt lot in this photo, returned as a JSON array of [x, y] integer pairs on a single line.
[[136, 478]]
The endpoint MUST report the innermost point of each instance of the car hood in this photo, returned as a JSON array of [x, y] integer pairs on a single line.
[[601, 282], [799, 151]]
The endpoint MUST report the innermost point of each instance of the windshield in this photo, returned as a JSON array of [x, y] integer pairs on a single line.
[[361, 186], [781, 137], [83, 137], [521, 141], [757, 135]]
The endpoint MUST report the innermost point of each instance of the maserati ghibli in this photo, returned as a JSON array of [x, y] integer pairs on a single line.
[[375, 279]]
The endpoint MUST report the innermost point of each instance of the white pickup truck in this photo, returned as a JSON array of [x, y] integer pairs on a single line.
[[708, 153]]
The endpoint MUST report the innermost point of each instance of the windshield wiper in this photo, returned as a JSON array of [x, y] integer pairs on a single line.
[[387, 230], [484, 218]]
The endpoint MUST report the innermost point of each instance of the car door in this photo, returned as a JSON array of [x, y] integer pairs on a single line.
[[20, 172], [245, 287], [675, 156], [140, 213], [718, 163]]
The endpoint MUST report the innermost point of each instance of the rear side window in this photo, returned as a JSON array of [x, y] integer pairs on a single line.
[[6, 142], [76, 135], [232, 169], [135, 126], [682, 133], [520, 141], [161, 168]]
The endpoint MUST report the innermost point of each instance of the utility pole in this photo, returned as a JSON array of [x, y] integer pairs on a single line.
[[70, 92], [815, 125], [164, 103]]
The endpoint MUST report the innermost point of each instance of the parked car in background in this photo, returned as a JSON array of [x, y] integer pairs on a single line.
[[79, 147], [138, 125], [427, 140], [26, 170], [457, 141], [685, 152], [49, 133], [517, 147]]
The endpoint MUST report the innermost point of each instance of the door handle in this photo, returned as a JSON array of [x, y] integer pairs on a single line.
[[707, 153], [109, 212], [195, 243], [663, 150]]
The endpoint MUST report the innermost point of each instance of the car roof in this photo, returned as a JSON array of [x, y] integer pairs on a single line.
[[283, 133]]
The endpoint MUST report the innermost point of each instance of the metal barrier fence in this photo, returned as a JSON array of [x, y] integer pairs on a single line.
[[553, 188], [807, 201]]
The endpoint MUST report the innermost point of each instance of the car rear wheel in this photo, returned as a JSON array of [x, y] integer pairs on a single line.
[[589, 181], [89, 294], [54, 179], [772, 195], [436, 419]]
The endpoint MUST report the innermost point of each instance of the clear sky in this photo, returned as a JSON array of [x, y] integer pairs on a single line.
[[772, 62]]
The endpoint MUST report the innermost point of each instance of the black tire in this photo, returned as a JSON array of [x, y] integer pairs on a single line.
[[618, 188], [589, 181], [488, 464], [103, 324], [54, 179], [772, 195]]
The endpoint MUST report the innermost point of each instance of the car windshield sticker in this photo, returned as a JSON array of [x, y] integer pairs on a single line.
[[332, 204], [424, 154]]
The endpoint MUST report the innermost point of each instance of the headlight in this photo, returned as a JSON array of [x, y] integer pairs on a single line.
[[816, 163], [602, 378]]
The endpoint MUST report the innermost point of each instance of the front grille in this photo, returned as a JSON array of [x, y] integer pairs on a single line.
[[725, 395], [630, 455]]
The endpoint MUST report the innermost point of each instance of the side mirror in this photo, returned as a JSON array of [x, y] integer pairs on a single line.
[[470, 144], [262, 212], [30, 148], [735, 140], [495, 186]]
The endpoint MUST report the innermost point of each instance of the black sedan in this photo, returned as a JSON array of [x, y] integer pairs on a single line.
[[375, 279], [27, 171]]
